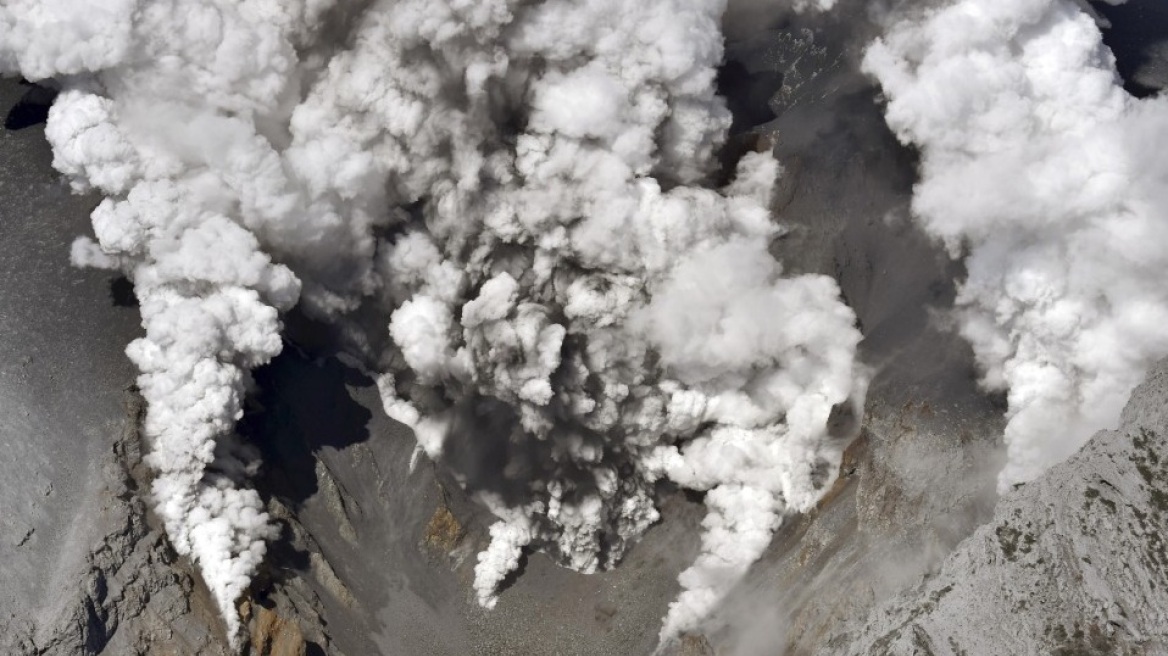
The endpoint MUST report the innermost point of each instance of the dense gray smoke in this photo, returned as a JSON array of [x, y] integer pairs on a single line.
[[518, 194], [1050, 180]]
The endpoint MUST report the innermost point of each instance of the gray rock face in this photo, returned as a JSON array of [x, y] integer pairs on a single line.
[[58, 328], [1075, 562]]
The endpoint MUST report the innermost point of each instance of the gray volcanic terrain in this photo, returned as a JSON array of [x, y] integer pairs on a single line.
[[1073, 563], [909, 549], [63, 374]]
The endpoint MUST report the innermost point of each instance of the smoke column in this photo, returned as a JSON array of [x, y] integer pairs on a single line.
[[1049, 180], [518, 194]]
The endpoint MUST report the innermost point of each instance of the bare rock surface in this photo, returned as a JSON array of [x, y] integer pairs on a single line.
[[1075, 562]]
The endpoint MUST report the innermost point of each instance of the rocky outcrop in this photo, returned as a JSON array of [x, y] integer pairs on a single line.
[[1075, 562], [271, 634], [134, 595]]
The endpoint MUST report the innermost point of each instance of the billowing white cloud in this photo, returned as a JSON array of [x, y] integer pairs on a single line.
[[1045, 175], [47, 38], [521, 191], [163, 109], [568, 264]]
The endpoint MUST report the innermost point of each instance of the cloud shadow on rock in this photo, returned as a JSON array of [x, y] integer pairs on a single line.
[[32, 108]]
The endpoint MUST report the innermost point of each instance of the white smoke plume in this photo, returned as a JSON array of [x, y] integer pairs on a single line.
[[162, 109], [1049, 179], [626, 331], [520, 191]]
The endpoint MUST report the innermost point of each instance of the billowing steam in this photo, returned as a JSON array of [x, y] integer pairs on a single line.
[[520, 192], [162, 109], [1053, 183], [566, 301]]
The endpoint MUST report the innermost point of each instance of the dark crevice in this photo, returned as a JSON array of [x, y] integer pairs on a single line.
[[32, 109], [301, 405]]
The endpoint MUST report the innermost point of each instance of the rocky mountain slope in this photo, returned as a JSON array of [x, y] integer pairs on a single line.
[[1075, 562]]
